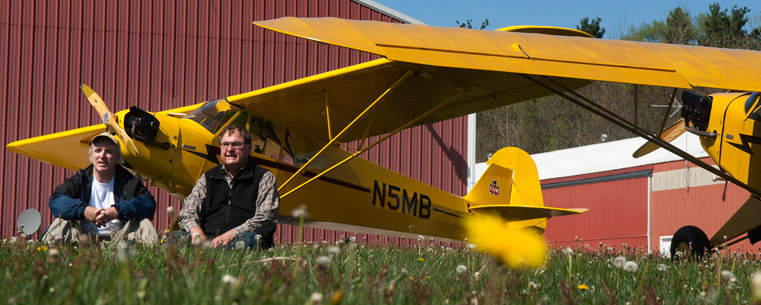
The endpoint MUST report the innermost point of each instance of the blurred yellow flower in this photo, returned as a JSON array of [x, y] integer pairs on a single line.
[[42, 249], [583, 287], [515, 248], [421, 259]]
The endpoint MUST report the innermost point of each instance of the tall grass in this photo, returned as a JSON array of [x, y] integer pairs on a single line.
[[352, 273]]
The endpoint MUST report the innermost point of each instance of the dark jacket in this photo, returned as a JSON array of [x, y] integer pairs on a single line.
[[70, 199], [225, 208]]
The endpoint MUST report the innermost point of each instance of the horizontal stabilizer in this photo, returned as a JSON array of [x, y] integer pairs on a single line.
[[66, 149], [514, 213]]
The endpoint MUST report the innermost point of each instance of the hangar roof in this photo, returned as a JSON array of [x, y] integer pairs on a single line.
[[605, 157]]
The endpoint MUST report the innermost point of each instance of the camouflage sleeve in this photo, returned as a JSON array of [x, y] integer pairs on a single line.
[[191, 210]]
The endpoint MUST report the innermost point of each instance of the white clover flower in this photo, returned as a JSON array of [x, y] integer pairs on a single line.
[[471, 246], [679, 254], [727, 275], [299, 212], [732, 283], [533, 286], [619, 261], [228, 279], [197, 239], [240, 244], [322, 261], [662, 267], [315, 298], [630, 266], [567, 251], [333, 251], [461, 268], [610, 249], [420, 237]]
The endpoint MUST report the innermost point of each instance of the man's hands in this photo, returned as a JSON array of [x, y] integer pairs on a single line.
[[197, 237], [223, 239], [100, 216], [197, 233]]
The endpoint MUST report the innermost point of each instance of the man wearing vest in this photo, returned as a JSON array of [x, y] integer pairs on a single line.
[[236, 201]]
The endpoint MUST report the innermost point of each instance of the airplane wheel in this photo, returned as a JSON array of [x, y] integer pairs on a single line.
[[689, 240]]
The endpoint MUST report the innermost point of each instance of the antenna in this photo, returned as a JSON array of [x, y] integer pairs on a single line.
[[29, 222]]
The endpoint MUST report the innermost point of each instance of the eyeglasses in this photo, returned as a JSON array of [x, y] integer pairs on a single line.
[[228, 145]]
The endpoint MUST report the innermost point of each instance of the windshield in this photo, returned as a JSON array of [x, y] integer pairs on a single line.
[[267, 137], [212, 115]]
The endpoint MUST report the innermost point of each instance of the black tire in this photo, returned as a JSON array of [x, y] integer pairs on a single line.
[[690, 238]]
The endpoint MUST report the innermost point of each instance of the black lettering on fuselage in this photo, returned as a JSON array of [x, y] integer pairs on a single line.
[[418, 204], [425, 207], [379, 193], [393, 192], [409, 204]]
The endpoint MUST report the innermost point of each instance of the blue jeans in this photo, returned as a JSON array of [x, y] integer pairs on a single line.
[[248, 238]]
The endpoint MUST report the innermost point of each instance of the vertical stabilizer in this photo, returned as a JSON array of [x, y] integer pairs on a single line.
[[510, 179]]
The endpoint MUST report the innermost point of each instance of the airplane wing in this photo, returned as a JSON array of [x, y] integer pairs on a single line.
[[485, 68], [66, 149], [561, 56]]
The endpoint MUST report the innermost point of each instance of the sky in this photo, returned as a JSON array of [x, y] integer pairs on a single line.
[[617, 16]]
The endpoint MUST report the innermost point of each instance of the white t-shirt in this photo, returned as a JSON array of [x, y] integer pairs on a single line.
[[102, 197]]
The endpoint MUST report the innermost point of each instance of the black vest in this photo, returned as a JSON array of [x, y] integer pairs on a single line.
[[224, 209]]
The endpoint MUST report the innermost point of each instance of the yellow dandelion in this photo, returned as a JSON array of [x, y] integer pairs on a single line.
[[421, 259], [583, 287], [42, 249], [514, 247]]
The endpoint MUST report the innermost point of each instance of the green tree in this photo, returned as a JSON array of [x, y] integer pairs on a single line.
[[591, 26], [467, 24], [722, 28], [650, 32], [679, 28]]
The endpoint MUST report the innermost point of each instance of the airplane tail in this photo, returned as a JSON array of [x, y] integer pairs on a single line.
[[510, 187]]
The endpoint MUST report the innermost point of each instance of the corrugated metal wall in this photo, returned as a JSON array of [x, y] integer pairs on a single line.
[[617, 211], [162, 54], [687, 202]]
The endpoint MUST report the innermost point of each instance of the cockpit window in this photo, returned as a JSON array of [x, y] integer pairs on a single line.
[[751, 102], [212, 115], [269, 139]]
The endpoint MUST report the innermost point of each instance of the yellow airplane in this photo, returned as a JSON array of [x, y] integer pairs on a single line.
[[425, 74]]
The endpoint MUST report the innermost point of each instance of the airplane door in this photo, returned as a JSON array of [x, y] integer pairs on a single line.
[[741, 146]]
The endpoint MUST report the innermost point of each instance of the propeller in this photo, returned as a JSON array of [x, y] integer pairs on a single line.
[[108, 118], [669, 134]]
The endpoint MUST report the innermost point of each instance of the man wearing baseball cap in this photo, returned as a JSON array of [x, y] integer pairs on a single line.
[[104, 201]]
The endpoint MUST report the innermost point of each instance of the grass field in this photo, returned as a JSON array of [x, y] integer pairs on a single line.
[[356, 273]]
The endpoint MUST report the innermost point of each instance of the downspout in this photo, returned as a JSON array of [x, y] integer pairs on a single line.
[[650, 213], [471, 151]]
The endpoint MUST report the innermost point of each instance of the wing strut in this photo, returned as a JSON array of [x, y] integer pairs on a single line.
[[623, 123], [405, 126], [338, 136]]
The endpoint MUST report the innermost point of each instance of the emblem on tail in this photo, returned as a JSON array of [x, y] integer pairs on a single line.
[[494, 188]]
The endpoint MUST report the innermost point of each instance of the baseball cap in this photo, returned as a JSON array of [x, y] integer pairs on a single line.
[[108, 136]]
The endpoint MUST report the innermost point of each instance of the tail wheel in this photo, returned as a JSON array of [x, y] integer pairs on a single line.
[[690, 240]]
